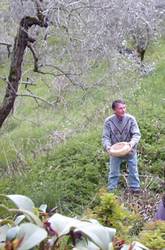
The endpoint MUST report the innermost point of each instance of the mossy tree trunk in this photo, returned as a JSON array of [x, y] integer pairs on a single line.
[[21, 42]]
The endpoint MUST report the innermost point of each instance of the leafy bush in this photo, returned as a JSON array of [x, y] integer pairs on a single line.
[[112, 213], [151, 147], [46, 230], [68, 176], [153, 235]]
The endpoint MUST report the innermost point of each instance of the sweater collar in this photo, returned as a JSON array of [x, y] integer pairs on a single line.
[[119, 119]]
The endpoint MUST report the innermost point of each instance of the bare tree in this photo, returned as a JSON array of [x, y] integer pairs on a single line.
[[22, 40], [89, 31]]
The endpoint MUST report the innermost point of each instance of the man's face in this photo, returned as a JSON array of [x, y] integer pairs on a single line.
[[120, 110]]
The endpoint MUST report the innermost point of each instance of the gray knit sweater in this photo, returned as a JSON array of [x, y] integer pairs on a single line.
[[118, 130]]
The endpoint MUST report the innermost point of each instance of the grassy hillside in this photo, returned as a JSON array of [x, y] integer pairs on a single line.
[[70, 174]]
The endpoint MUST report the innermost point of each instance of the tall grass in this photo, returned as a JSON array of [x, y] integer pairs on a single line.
[[69, 175]]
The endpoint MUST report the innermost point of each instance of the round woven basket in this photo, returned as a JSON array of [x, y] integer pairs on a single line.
[[120, 149]]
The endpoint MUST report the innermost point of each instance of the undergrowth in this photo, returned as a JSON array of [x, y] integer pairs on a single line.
[[69, 175]]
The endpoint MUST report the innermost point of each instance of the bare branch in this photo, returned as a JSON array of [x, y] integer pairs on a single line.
[[34, 56], [36, 98], [6, 44], [22, 40], [28, 82], [36, 68], [67, 75], [8, 47]]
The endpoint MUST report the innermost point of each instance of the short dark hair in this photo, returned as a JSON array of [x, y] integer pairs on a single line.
[[115, 102]]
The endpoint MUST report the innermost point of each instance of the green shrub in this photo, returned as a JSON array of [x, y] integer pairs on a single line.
[[153, 235], [36, 228], [151, 148], [112, 213], [68, 176]]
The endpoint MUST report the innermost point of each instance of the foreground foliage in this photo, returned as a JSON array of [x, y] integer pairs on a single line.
[[112, 212], [129, 224], [153, 235], [70, 174], [46, 231]]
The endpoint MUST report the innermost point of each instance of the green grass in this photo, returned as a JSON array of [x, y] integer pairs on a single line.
[[66, 175], [70, 175]]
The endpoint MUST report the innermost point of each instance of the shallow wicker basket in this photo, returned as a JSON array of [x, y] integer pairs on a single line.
[[120, 149]]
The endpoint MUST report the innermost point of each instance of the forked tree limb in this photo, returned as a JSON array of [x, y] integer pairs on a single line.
[[66, 74], [22, 40]]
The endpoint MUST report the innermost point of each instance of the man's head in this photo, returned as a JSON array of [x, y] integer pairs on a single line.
[[119, 108]]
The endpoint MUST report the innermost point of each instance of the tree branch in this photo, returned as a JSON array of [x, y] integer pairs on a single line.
[[66, 74], [22, 40], [34, 56], [8, 47], [35, 97]]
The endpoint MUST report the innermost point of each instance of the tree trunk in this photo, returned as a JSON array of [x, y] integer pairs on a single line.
[[21, 41]]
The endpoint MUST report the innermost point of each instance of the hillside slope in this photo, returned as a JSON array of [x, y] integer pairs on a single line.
[[55, 156]]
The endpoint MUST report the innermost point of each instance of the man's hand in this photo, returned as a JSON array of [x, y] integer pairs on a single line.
[[130, 144], [108, 150]]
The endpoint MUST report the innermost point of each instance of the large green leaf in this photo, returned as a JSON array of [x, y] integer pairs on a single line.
[[22, 202], [43, 208], [12, 233], [32, 235], [19, 219], [31, 217], [101, 236], [3, 231], [59, 222]]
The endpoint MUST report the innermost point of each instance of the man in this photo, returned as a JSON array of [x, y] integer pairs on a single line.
[[121, 127]]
